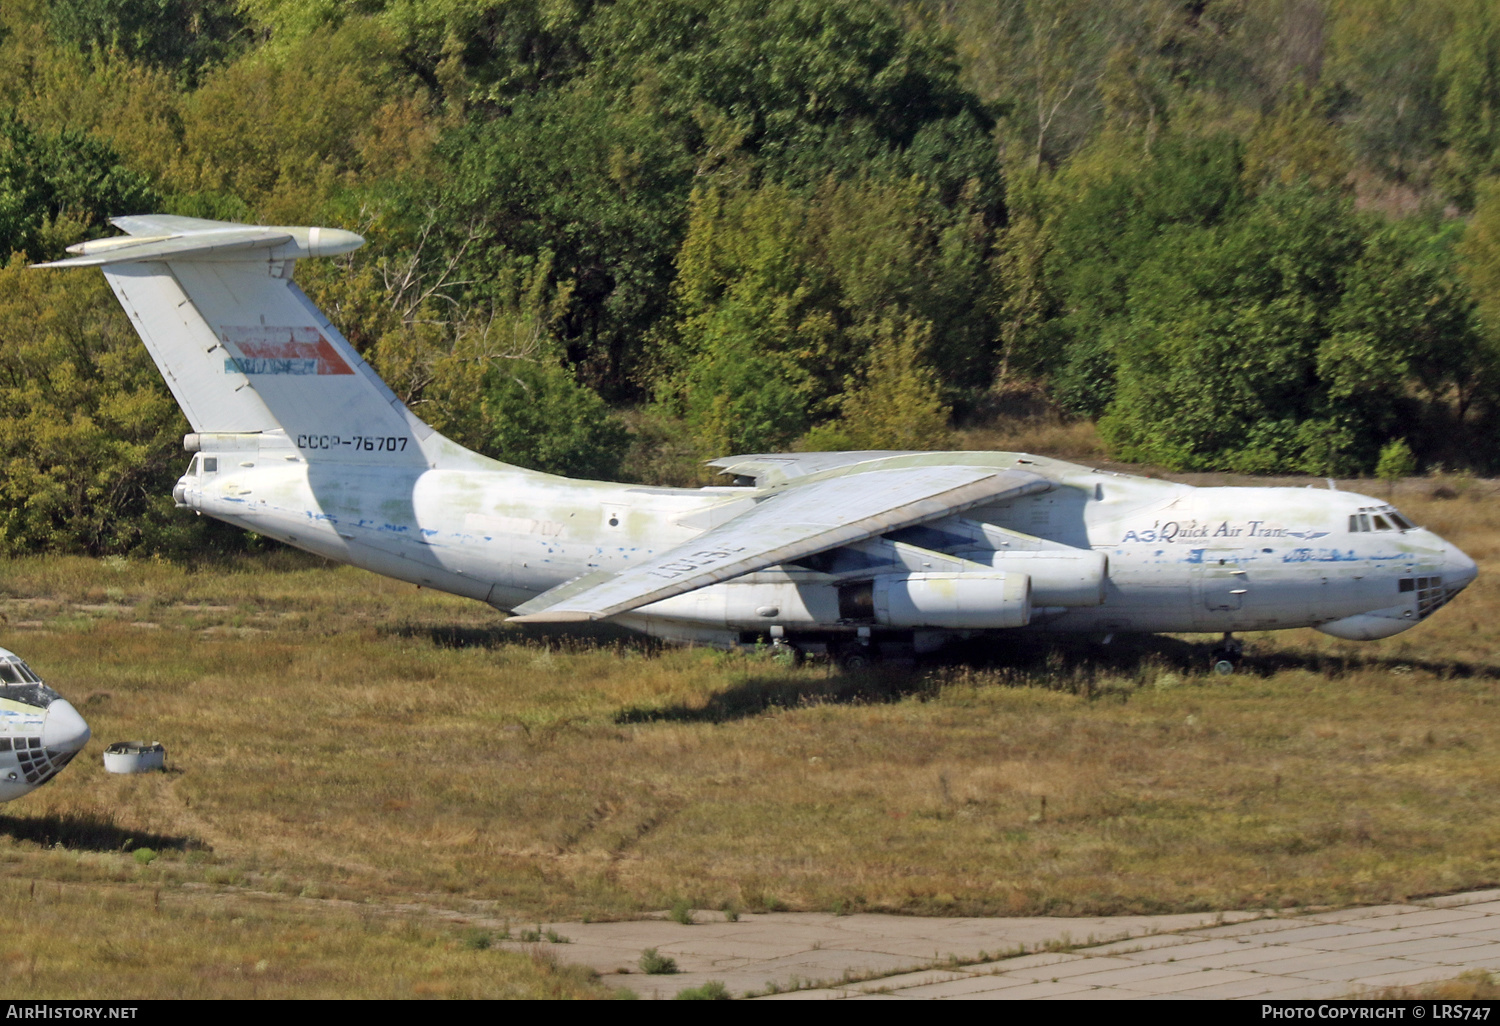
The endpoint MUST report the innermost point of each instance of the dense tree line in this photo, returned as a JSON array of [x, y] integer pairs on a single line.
[[617, 237]]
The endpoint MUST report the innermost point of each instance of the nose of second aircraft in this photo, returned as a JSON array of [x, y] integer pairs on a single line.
[[1459, 570], [64, 730]]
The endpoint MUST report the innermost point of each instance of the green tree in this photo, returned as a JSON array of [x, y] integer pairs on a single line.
[[487, 374], [1021, 294], [473, 52], [1469, 77], [782, 296], [537, 415], [1479, 253], [54, 186], [1396, 461], [599, 166], [183, 35], [1405, 328], [790, 74], [1112, 218], [90, 440], [1298, 142], [599, 185], [896, 404], [1298, 335], [1382, 56], [284, 130], [754, 349]]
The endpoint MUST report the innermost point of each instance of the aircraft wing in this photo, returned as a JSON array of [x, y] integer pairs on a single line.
[[799, 521]]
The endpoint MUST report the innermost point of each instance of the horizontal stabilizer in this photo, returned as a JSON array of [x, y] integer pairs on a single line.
[[173, 239], [799, 521], [175, 247]]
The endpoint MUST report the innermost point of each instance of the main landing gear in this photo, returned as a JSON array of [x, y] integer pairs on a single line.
[[1225, 658], [855, 656], [848, 656], [783, 651], [786, 654]]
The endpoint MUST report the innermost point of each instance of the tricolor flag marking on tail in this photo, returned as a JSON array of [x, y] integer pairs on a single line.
[[281, 350]]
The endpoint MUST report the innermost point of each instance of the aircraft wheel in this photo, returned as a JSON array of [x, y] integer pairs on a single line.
[[1225, 659], [857, 657]]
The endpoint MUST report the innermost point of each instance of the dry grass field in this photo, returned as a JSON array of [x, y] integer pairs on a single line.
[[1042, 433], [356, 766], [135, 939], [1477, 985]]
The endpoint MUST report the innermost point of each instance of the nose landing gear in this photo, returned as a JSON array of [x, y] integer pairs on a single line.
[[1225, 658]]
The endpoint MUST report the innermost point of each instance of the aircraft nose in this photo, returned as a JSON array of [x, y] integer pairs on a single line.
[[1458, 569], [64, 730]]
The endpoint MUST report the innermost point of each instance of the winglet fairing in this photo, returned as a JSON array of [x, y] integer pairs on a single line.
[[295, 437]]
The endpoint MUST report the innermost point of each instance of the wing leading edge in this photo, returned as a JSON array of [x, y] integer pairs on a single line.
[[797, 522]]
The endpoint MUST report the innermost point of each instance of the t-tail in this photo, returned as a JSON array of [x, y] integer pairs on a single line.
[[249, 358]]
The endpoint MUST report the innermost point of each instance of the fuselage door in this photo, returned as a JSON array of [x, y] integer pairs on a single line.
[[1222, 581]]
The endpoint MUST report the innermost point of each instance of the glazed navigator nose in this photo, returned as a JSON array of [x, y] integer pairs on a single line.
[[64, 731]]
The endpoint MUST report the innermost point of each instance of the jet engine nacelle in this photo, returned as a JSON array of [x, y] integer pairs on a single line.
[[1059, 577], [750, 605], [959, 601]]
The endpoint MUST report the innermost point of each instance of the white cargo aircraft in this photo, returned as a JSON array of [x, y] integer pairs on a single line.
[[851, 553], [40, 731]]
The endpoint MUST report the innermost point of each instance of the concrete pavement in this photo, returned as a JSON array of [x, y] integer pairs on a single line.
[[1219, 955]]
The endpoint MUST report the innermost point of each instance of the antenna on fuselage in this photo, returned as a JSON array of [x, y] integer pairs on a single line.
[[1332, 487]]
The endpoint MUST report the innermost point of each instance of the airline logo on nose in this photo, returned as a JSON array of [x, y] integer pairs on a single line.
[[269, 350]]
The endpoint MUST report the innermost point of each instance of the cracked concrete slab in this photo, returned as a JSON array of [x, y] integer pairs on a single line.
[[810, 956]]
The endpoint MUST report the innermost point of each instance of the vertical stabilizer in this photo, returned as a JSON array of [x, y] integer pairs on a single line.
[[243, 350]]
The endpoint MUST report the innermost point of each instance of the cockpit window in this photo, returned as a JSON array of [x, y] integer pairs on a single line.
[[37, 695], [19, 684], [13, 671], [1378, 518]]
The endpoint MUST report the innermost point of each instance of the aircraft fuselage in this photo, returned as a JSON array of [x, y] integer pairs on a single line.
[[1101, 552]]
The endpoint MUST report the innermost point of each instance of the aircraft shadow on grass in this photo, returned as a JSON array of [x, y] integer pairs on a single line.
[[91, 831], [758, 695], [569, 637], [1091, 670], [1132, 655], [1088, 671]]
